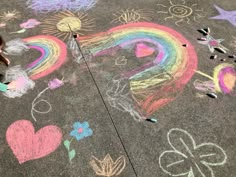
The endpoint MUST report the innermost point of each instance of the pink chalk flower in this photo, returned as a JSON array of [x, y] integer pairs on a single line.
[[31, 23], [55, 83]]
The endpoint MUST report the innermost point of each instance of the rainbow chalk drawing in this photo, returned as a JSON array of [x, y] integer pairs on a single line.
[[160, 81], [27, 144], [53, 55]]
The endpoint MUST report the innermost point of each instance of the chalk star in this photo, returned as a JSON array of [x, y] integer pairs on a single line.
[[212, 43], [226, 15]]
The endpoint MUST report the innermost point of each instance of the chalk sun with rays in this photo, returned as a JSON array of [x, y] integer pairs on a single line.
[[132, 15], [10, 15], [181, 12], [62, 23]]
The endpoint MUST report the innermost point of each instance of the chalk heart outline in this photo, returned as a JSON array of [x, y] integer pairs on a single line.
[[28, 145], [204, 156], [143, 50]]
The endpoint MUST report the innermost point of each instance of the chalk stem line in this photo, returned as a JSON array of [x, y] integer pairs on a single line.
[[35, 102], [205, 75]]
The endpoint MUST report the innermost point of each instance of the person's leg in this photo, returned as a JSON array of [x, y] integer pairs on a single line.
[[5, 60]]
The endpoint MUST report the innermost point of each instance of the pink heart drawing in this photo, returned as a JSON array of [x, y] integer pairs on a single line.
[[142, 50], [28, 145]]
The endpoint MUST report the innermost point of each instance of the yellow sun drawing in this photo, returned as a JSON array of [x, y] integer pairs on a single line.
[[61, 24], [132, 16], [182, 12], [10, 15]]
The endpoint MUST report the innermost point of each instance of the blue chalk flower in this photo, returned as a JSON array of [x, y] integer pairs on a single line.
[[81, 130]]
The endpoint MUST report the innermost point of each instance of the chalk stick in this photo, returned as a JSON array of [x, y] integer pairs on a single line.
[[213, 57], [202, 39], [152, 120], [232, 56], [75, 36], [221, 49], [3, 87], [212, 95]]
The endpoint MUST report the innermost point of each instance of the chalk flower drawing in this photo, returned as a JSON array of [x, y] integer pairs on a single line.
[[81, 130], [107, 167], [223, 80], [213, 43], [31, 23], [132, 15], [10, 15], [53, 84], [181, 12], [61, 24], [188, 159], [45, 6]]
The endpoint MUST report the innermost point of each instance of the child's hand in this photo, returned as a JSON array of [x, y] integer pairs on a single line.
[[12, 85]]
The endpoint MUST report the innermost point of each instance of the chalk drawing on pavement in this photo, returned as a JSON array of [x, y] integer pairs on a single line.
[[186, 158]]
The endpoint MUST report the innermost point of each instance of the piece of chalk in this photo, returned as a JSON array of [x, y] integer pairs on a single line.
[[232, 56], [185, 45], [152, 120], [202, 39], [223, 59], [203, 31], [208, 30], [212, 95], [221, 49], [3, 87], [213, 57], [75, 35]]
